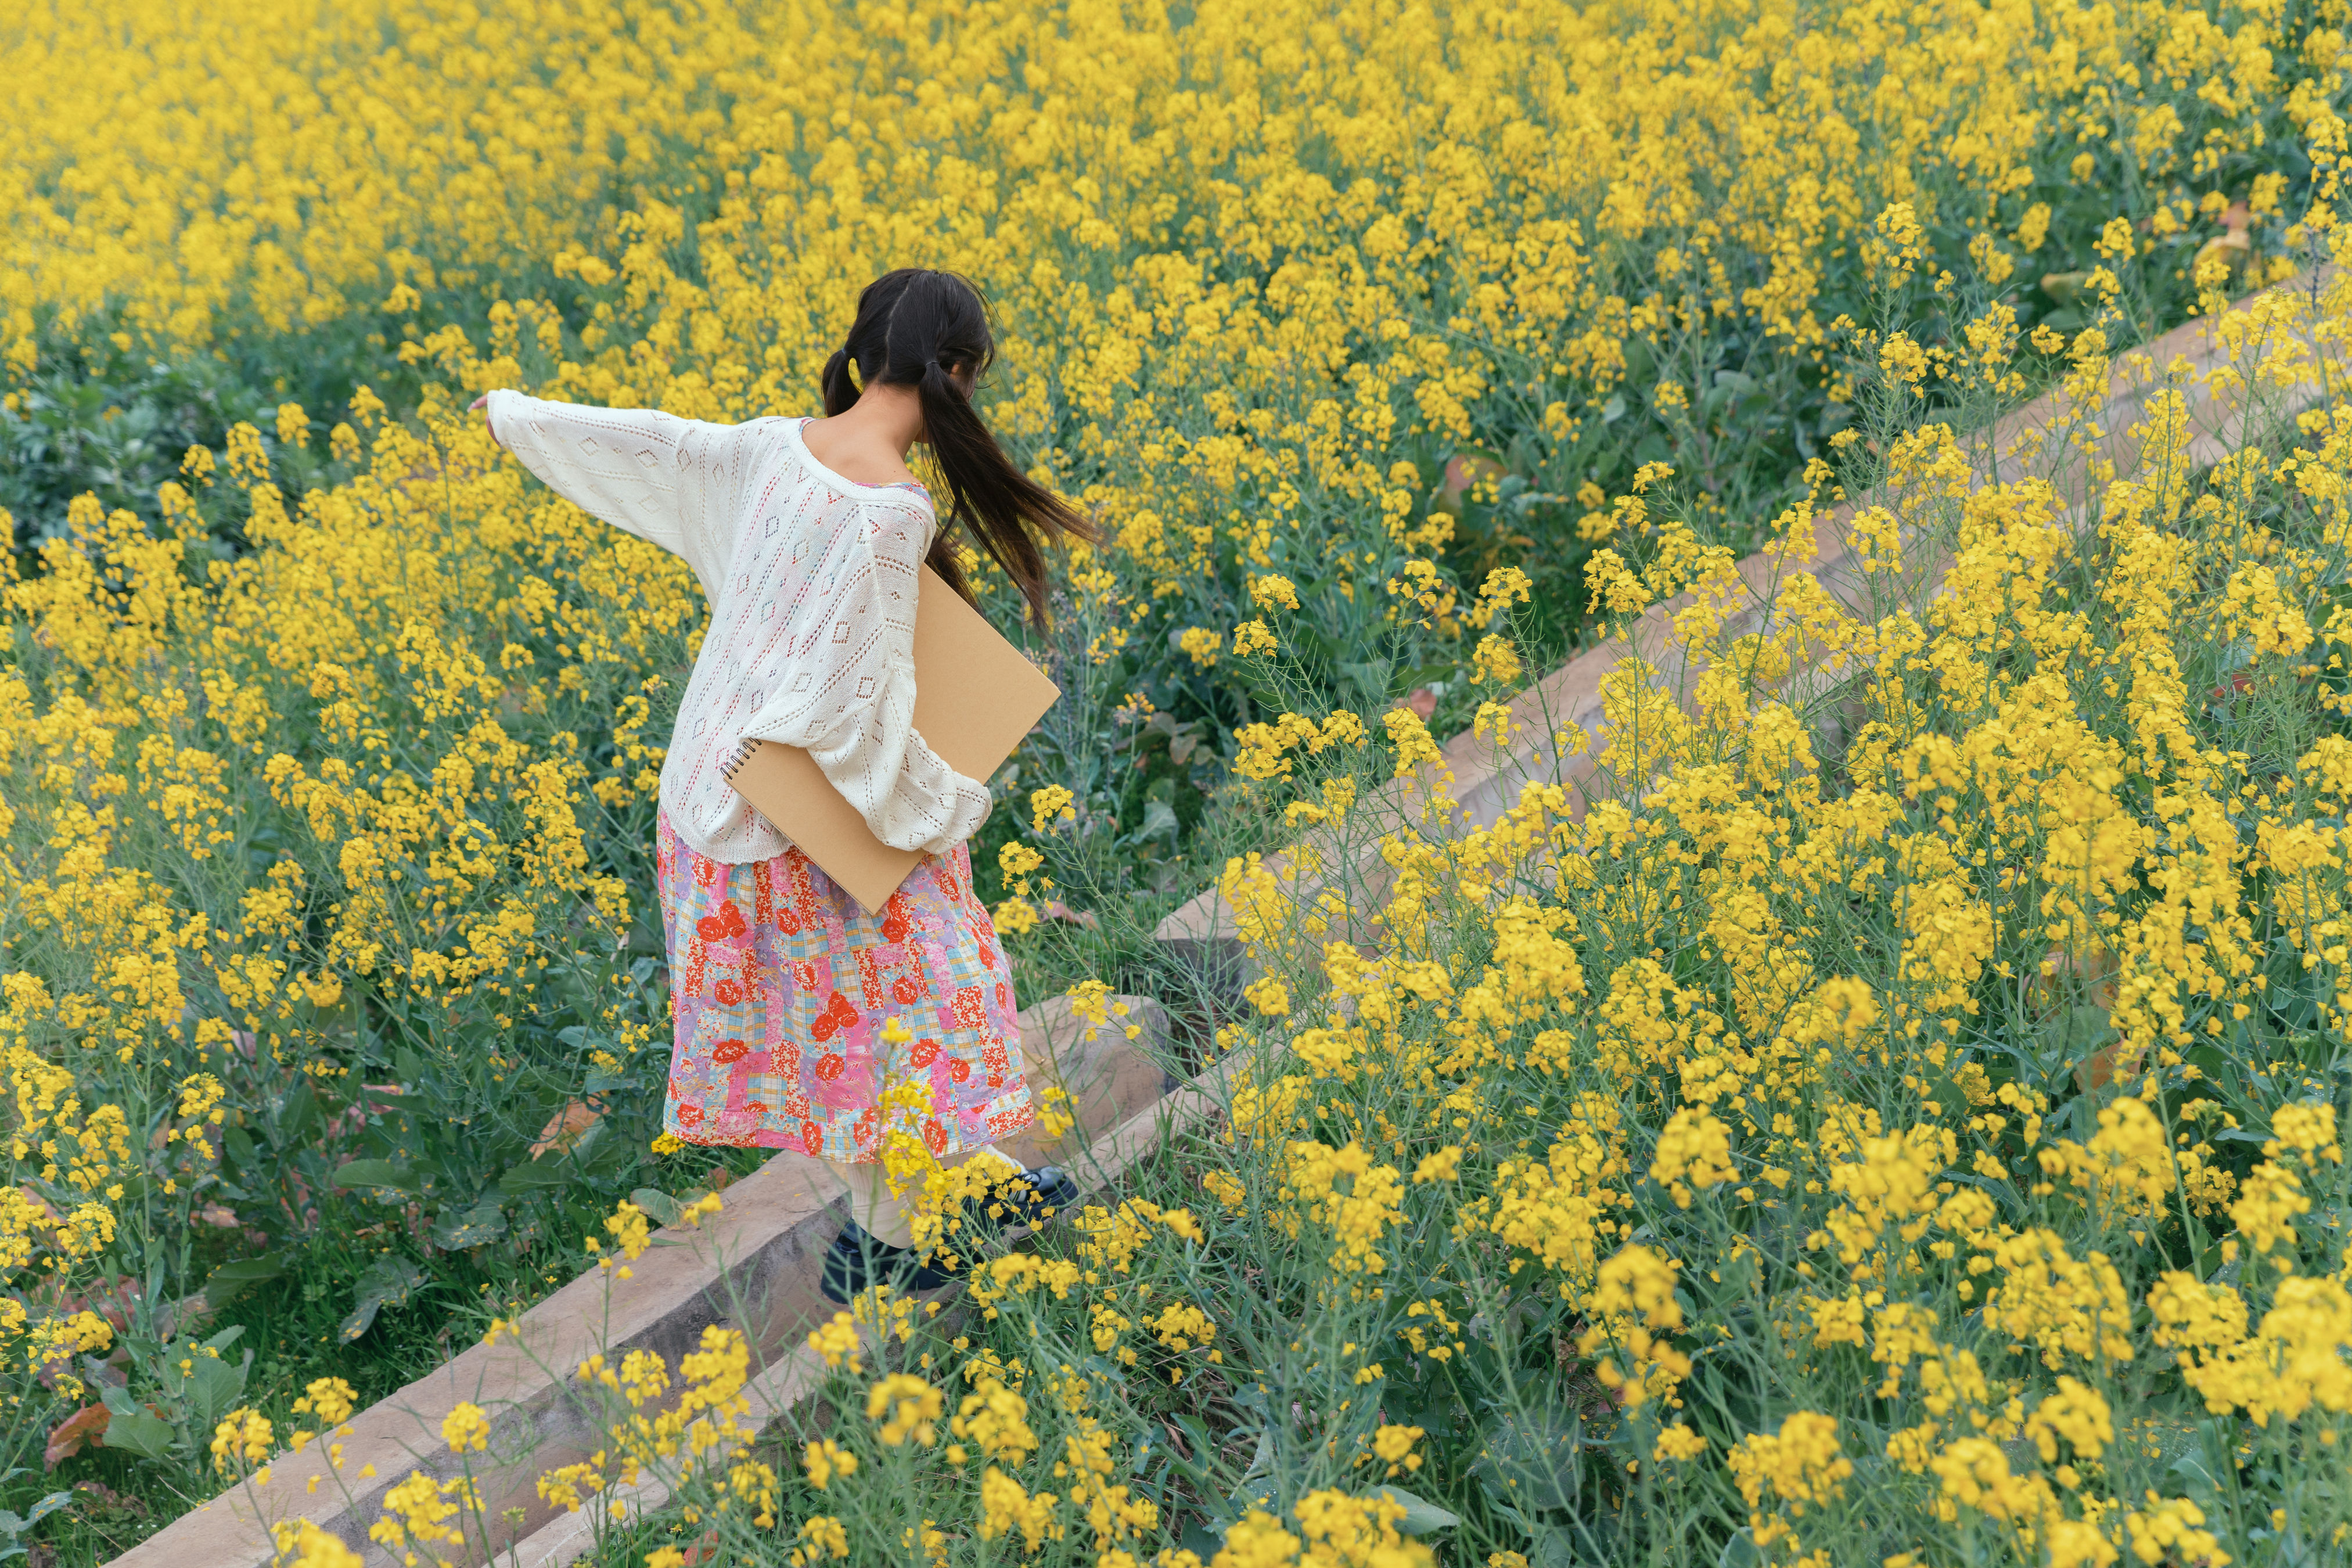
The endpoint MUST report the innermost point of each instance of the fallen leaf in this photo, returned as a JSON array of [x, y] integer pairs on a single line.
[[563, 1129], [76, 1432], [2233, 248], [1055, 909], [2240, 682], [2093, 978], [1465, 471], [2104, 1066], [2062, 287], [40, 1205]]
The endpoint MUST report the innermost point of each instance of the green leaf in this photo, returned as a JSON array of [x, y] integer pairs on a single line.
[[1552, 1549], [215, 1387], [375, 1173], [1739, 1274], [1951, 1097], [11, 1527], [140, 1433], [1200, 1541], [1421, 1515], [534, 1175], [393, 1277], [1256, 1494], [389, 1282], [477, 1226], [301, 1108], [1370, 678], [659, 1207], [600, 1153], [230, 1279], [362, 1319], [1531, 1462], [1257, 1489]]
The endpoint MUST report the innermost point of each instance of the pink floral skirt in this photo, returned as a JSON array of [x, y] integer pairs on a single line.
[[780, 986]]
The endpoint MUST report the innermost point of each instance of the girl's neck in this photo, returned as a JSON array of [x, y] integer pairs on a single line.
[[868, 443]]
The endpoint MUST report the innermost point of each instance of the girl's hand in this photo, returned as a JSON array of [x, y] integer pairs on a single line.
[[483, 403]]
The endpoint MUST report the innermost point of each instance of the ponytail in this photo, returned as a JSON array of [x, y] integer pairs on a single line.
[[918, 328], [840, 392]]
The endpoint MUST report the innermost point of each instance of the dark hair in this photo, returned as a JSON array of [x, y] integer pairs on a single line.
[[916, 328]]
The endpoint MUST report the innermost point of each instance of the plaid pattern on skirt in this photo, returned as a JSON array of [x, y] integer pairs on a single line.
[[780, 986]]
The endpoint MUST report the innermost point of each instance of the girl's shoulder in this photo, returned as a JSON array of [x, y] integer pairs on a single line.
[[907, 492]]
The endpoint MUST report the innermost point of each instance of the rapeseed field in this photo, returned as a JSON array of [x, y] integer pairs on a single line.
[[1894, 1121]]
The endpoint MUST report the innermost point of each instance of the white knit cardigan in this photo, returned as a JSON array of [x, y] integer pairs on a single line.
[[812, 581]]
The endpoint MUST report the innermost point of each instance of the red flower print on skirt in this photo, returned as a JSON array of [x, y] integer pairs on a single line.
[[838, 1015], [728, 921], [782, 985]]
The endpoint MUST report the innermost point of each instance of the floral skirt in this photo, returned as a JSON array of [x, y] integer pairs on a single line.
[[781, 984]]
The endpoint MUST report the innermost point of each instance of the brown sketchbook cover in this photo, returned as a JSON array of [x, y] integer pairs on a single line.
[[975, 697]]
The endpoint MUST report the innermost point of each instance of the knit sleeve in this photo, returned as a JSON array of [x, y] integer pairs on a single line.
[[669, 480], [851, 703]]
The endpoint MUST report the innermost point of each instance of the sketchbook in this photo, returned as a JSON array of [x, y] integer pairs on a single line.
[[975, 696]]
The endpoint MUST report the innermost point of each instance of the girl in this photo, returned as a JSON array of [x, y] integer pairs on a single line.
[[806, 535]]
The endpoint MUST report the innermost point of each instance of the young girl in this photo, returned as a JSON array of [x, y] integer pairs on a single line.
[[806, 535]]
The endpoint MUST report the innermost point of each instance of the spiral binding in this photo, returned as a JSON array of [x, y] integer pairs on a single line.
[[729, 769]]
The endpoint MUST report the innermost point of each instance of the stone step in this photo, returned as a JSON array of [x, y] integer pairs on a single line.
[[798, 1372], [753, 1266]]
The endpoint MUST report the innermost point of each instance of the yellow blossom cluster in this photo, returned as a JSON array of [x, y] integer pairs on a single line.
[[1932, 1003]]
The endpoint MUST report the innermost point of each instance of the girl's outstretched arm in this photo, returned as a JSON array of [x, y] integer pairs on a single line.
[[670, 481]]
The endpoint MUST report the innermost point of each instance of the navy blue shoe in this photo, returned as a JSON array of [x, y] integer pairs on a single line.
[[858, 1261], [1030, 1199], [1023, 1200]]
